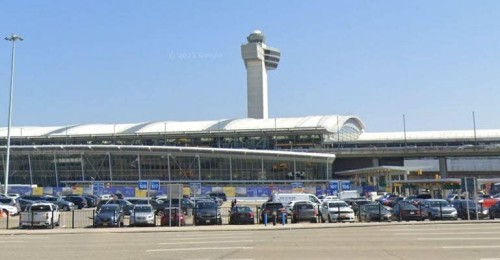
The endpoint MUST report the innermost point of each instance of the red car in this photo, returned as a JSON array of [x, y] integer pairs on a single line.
[[175, 218]]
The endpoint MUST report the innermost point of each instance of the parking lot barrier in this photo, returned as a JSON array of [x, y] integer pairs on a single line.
[[265, 219], [52, 219], [7, 215], [440, 211], [73, 219], [93, 218], [283, 218]]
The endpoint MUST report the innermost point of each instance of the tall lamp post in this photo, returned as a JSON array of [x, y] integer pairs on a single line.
[[13, 38]]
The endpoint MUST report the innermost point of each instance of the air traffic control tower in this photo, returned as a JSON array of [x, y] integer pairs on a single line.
[[258, 59]]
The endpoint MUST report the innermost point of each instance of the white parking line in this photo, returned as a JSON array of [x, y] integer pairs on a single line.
[[469, 247], [434, 229], [200, 249], [206, 242], [444, 233], [213, 235], [11, 241], [204, 238], [457, 238]]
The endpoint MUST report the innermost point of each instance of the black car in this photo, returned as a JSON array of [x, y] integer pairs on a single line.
[[274, 212], [61, 203], [125, 205], [79, 201], [374, 212], [406, 212], [462, 205], [24, 203], [494, 211], [241, 215], [220, 195], [207, 212], [110, 215]]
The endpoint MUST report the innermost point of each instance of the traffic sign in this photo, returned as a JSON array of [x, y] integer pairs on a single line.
[[155, 185], [142, 185]]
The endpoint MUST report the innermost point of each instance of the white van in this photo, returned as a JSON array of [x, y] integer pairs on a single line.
[[286, 198]]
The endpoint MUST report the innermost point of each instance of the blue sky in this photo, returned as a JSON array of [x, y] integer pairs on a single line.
[[127, 61]]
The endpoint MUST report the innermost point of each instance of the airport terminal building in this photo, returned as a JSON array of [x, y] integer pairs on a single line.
[[257, 150]]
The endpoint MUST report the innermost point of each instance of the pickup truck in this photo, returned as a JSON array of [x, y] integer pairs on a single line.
[[40, 215]]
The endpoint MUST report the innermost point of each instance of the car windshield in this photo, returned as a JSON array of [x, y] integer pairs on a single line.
[[374, 208], [206, 205], [273, 206], [143, 209], [5, 200], [41, 208], [443, 203], [408, 207], [243, 210], [108, 210], [337, 204], [304, 206]]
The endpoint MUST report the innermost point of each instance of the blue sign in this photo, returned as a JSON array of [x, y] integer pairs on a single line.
[[155, 185], [346, 185], [334, 186], [142, 185], [98, 188], [195, 186], [297, 185]]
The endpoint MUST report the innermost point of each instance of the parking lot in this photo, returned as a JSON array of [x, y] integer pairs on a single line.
[[436, 240]]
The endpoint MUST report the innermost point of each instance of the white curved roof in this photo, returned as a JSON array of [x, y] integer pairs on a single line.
[[329, 123]]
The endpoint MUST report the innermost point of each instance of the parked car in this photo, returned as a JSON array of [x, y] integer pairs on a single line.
[[24, 203], [8, 201], [494, 211], [374, 212], [8, 209], [79, 201], [142, 215], [40, 215], [438, 209], [125, 205], [220, 195], [290, 205], [110, 215], [462, 205], [207, 212], [355, 204], [336, 211], [304, 210], [241, 215], [172, 217], [406, 212], [61, 203], [274, 212]]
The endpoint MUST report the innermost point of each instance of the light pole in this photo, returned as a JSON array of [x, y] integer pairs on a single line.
[[13, 38]]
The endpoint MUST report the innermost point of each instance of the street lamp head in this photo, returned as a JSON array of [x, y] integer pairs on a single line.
[[14, 37]]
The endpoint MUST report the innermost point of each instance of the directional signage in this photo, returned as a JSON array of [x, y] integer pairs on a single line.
[[334, 186], [346, 185], [142, 185], [155, 185], [297, 185]]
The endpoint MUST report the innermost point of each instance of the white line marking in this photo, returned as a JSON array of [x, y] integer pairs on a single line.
[[214, 235], [434, 229], [204, 238], [469, 247], [11, 241], [199, 249], [205, 242], [489, 259], [458, 238], [443, 233]]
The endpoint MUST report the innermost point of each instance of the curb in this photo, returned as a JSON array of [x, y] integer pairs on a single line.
[[231, 228]]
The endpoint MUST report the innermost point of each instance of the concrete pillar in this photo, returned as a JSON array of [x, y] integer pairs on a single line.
[[443, 168]]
